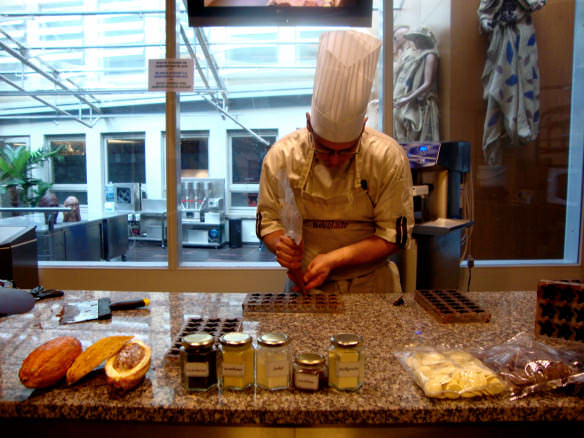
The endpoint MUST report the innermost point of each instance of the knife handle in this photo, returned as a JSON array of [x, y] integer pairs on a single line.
[[132, 304], [49, 293]]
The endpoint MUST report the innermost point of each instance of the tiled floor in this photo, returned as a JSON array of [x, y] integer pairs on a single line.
[[141, 251]]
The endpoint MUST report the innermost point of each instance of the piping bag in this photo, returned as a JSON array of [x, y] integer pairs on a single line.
[[292, 220]]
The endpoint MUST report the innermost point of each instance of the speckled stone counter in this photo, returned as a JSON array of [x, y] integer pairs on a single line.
[[389, 397]]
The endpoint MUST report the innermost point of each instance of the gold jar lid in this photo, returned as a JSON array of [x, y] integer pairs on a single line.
[[346, 340], [273, 340], [309, 359], [235, 339], [198, 340]]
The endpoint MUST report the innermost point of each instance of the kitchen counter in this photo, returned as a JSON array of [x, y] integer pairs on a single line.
[[389, 398]]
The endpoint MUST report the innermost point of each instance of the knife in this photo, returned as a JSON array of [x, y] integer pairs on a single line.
[[100, 309]]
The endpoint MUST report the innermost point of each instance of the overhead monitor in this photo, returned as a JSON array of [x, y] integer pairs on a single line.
[[356, 13]]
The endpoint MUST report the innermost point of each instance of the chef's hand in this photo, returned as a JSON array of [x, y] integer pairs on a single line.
[[288, 253], [318, 270]]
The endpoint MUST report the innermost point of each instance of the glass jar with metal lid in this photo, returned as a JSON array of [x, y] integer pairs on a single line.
[[273, 361], [198, 356], [309, 371], [346, 362], [237, 361]]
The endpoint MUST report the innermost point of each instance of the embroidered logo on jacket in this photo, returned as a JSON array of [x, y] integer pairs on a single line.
[[330, 224]]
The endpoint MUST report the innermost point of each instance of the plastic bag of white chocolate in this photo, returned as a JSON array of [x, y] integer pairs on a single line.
[[450, 374]]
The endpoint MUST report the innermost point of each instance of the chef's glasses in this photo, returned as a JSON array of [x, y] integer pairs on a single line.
[[328, 152]]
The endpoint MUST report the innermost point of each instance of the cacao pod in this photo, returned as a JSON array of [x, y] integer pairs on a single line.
[[126, 369], [95, 355], [49, 362]]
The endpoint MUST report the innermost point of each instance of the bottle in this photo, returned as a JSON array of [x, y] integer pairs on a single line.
[[309, 372], [198, 356], [273, 361], [346, 362], [110, 201], [237, 361]]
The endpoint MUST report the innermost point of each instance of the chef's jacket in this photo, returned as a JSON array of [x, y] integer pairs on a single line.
[[370, 194]]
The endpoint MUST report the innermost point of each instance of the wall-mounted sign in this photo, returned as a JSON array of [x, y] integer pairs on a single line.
[[170, 74]]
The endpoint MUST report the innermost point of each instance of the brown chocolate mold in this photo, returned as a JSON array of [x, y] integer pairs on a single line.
[[560, 309], [214, 326], [449, 305], [290, 302]]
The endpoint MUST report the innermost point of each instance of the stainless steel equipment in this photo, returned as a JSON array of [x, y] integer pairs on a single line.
[[437, 171], [127, 197], [203, 211]]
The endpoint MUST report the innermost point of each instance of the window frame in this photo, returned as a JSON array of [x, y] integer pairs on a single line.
[[66, 187], [238, 187], [141, 135]]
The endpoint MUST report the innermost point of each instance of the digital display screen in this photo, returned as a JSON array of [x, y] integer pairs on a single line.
[[279, 12]]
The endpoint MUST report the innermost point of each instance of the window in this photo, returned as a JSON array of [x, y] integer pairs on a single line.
[[125, 158], [68, 172], [247, 156], [97, 50], [194, 150], [14, 141]]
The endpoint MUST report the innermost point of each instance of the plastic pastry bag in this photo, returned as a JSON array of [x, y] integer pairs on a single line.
[[291, 219], [530, 366], [450, 373]]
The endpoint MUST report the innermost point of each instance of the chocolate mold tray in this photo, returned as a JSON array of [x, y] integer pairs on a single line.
[[291, 302], [560, 309], [214, 326], [449, 305]]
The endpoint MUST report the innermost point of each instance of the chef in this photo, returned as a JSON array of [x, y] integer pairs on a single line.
[[352, 184]]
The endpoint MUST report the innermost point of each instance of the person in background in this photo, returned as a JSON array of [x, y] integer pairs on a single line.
[[74, 214], [49, 199], [352, 184], [416, 114]]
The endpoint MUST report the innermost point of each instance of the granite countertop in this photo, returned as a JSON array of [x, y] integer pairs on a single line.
[[389, 396]]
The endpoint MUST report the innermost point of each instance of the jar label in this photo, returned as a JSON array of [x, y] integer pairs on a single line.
[[306, 381], [277, 368], [197, 369], [233, 369], [348, 369]]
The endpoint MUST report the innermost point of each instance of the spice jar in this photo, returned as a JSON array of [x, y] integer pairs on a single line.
[[309, 371], [198, 357], [346, 364], [273, 361], [237, 361]]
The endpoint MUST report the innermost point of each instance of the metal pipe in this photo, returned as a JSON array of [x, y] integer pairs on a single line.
[[96, 92], [211, 61], [46, 75], [44, 102], [81, 14], [229, 116]]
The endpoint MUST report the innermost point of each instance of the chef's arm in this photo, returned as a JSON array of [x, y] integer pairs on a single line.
[[365, 251]]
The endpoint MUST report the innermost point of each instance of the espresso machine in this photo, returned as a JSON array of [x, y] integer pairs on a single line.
[[438, 172], [203, 211]]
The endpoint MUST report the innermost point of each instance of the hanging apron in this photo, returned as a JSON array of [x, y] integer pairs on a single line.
[[338, 212]]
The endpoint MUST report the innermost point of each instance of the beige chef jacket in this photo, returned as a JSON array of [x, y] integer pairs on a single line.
[[370, 195]]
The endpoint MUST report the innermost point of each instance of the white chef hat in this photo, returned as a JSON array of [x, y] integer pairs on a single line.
[[345, 69]]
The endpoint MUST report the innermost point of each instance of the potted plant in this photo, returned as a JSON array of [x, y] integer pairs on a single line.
[[16, 165]]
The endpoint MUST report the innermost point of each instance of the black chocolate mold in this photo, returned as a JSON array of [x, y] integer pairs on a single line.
[[292, 303], [449, 305], [214, 326], [560, 309]]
